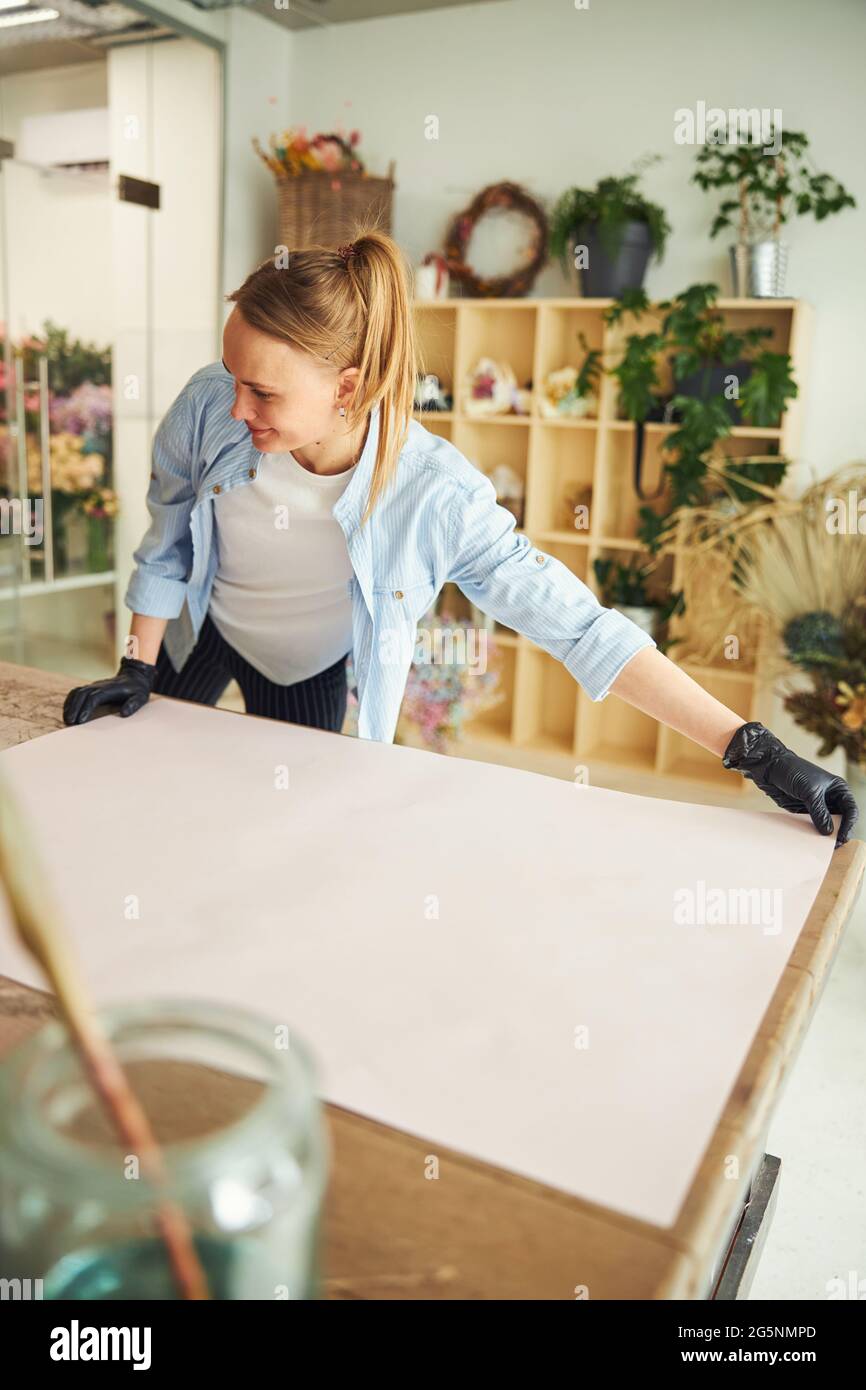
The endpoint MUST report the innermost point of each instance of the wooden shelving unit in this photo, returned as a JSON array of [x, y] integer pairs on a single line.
[[545, 710]]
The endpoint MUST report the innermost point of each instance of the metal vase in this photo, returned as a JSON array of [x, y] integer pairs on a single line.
[[758, 270], [739, 254]]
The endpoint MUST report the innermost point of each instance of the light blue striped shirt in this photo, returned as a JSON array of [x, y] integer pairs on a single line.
[[437, 521]]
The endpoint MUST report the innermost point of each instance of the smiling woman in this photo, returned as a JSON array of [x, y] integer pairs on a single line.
[[313, 347]]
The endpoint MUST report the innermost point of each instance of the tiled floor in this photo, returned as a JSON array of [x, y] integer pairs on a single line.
[[819, 1131]]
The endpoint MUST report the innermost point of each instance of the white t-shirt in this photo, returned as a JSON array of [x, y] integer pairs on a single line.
[[280, 595]]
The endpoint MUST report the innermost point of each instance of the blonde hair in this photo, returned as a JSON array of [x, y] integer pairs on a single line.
[[352, 311]]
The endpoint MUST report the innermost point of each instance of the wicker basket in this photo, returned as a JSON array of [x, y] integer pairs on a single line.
[[324, 208]]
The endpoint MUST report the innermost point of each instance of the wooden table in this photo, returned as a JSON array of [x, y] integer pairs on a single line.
[[479, 1232]]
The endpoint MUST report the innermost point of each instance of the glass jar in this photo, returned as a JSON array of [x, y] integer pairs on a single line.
[[232, 1103]]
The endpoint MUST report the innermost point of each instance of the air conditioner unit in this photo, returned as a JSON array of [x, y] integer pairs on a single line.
[[64, 139]]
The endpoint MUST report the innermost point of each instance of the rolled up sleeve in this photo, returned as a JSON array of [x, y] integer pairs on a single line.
[[505, 575], [163, 560]]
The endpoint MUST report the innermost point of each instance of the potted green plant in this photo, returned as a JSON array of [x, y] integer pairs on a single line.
[[720, 379], [609, 233], [624, 587], [770, 188]]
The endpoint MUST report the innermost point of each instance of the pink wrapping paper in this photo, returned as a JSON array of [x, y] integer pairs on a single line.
[[517, 967]]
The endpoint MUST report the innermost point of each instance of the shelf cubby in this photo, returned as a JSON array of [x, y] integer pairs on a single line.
[[560, 328], [436, 331], [500, 332], [488, 445], [496, 723], [618, 505], [560, 462], [545, 704]]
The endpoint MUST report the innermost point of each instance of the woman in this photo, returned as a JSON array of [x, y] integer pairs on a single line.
[[299, 512]]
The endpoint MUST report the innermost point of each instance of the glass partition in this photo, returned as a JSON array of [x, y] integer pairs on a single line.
[[57, 499]]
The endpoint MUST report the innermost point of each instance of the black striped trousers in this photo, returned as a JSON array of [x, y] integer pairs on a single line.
[[318, 702]]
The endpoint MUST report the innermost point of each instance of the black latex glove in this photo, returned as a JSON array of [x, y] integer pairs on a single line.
[[130, 689], [792, 782]]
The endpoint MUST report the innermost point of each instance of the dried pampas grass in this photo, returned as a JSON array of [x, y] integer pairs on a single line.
[[749, 570]]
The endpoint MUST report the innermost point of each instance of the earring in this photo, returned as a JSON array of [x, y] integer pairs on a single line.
[[342, 410]]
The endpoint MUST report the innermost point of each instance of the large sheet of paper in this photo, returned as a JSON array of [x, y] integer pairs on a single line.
[[526, 970]]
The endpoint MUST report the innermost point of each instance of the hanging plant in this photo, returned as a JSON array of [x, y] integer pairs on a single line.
[[694, 337]]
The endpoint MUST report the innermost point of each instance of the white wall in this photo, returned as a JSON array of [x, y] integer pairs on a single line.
[[258, 63], [55, 233], [550, 96], [70, 88]]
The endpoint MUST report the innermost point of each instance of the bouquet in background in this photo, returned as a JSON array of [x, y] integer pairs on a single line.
[[101, 504], [294, 152], [86, 411], [442, 695], [73, 469]]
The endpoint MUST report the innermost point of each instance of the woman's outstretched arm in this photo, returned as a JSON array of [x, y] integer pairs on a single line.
[[660, 688], [652, 683]]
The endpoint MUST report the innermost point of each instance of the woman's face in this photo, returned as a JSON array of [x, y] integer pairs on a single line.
[[286, 399]]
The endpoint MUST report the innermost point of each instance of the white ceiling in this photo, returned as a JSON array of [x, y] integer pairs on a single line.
[[85, 28], [80, 34], [308, 14]]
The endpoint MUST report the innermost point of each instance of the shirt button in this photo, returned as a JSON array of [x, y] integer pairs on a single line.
[[539, 559], [217, 488], [398, 593], [252, 472]]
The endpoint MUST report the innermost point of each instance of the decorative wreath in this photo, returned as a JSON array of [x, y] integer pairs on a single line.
[[497, 195]]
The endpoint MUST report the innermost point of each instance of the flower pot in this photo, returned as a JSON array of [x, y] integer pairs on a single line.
[[646, 618], [605, 277], [711, 380], [99, 544], [758, 270], [70, 542]]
